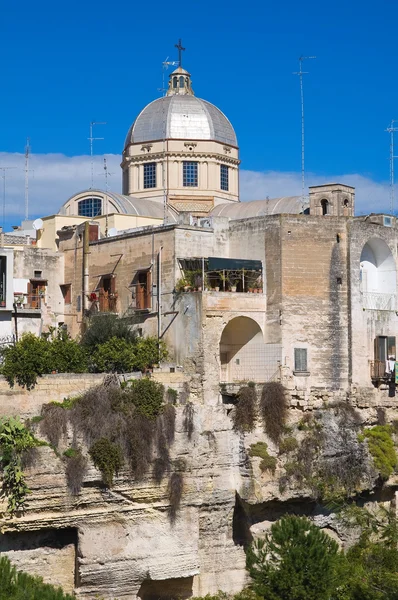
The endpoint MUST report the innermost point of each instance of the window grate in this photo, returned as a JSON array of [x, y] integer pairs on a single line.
[[224, 178], [300, 359], [149, 175], [190, 173]]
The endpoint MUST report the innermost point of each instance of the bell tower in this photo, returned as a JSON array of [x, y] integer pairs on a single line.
[[332, 199]]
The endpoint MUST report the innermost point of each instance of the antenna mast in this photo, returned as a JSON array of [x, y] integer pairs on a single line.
[[300, 73], [4, 169], [165, 65], [27, 153], [391, 130], [106, 174], [92, 139]]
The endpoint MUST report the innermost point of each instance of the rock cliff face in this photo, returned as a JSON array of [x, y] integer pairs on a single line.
[[120, 543]]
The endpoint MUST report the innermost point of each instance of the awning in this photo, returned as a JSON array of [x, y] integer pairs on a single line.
[[233, 264]]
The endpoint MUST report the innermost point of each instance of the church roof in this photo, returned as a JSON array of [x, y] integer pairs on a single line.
[[181, 116], [127, 205], [259, 208]]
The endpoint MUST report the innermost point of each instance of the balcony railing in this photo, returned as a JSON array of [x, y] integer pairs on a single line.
[[378, 301], [378, 370], [31, 301], [107, 302], [250, 362]]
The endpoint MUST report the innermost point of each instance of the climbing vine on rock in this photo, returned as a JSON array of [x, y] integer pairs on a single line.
[[15, 441]]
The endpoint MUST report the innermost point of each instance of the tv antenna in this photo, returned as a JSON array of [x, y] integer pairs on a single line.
[[27, 170], [165, 65], [391, 130], [4, 176], [93, 139], [300, 73], [106, 174]]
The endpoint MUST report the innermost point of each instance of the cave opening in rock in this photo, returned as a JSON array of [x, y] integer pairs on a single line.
[[166, 589], [48, 553], [241, 534]]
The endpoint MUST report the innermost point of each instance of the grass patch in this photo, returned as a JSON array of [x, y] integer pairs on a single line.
[[381, 447], [268, 462]]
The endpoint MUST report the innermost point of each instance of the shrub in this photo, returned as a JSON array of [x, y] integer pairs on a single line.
[[31, 357], [188, 422], [15, 441], [148, 352], [288, 444], [108, 459], [76, 465], [174, 491], [273, 408], [147, 396], [296, 560], [104, 327], [66, 356], [25, 361], [381, 447], [53, 424], [172, 395], [15, 585], [115, 355], [244, 413], [268, 462]]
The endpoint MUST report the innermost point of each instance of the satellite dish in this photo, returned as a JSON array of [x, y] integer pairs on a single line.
[[112, 232], [38, 224]]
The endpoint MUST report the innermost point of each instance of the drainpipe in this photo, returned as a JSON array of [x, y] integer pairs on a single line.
[[86, 250]]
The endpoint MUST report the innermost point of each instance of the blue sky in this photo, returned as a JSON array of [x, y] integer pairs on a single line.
[[64, 65]]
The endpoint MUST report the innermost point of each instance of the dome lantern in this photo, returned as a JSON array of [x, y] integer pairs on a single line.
[[180, 83]]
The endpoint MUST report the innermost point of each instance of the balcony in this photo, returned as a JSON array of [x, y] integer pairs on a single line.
[[378, 301], [107, 301], [220, 275], [29, 301]]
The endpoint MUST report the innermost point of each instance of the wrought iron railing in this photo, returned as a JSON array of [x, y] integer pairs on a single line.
[[379, 301]]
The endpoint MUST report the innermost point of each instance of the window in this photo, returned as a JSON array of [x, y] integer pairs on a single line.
[[300, 360], [385, 346], [325, 207], [174, 82], [345, 202], [3, 280], [181, 81], [38, 274], [90, 207], [224, 178], [142, 282], [150, 175], [66, 292], [190, 173]]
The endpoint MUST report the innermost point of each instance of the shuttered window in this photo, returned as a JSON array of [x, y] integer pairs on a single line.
[[300, 359]]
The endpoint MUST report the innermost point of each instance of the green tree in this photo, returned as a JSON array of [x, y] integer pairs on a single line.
[[295, 561], [115, 355]]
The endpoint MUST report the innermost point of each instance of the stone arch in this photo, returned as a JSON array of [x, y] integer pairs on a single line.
[[378, 276], [325, 206], [240, 346]]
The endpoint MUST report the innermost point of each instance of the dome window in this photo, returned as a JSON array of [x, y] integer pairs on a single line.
[[149, 175], [89, 207], [190, 173], [174, 82], [182, 81], [224, 178]]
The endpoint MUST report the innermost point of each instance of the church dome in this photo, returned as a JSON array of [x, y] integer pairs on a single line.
[[180, 115]]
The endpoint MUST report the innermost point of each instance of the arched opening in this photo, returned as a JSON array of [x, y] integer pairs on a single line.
[[181, 81], [241, 351], [325, 206], [174, 82], [345, 203], [378, 277]]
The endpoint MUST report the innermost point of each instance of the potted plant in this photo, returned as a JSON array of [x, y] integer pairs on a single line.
[[2, 301], [234, 285], [181, 285]]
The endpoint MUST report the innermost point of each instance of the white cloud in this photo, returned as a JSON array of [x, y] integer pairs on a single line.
[[56, 177], [370, 195]]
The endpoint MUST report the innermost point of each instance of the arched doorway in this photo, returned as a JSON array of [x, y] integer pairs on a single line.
[[243, 354], [378, 276]]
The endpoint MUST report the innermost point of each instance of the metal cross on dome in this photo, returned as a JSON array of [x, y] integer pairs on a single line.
[[180, 50]]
